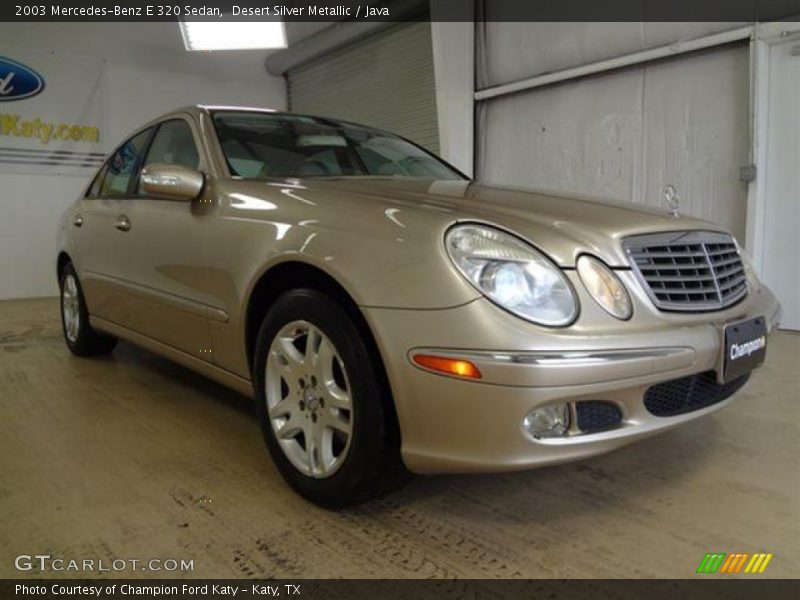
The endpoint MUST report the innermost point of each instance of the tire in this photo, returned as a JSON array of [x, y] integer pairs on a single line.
[[81, 339], [325, 410]]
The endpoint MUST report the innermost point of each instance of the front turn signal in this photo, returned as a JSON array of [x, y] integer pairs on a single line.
[[448, 366]]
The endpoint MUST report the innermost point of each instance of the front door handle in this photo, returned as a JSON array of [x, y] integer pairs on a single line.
[[77, 220], [123, 223]]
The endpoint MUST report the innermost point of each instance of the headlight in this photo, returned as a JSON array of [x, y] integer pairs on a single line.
[[512, 274], [749, 269], [605, 287]]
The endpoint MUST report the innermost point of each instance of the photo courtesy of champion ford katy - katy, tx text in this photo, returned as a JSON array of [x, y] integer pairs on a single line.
[[400, 299]]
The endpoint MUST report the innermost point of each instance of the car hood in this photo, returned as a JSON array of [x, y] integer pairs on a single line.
[[564, 227]]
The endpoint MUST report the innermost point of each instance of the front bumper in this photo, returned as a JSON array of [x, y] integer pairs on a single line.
[[457, 425]]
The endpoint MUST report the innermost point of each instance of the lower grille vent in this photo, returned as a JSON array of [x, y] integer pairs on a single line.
[[688, 394], [596, 415]]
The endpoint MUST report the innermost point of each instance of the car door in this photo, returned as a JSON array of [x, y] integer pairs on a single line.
[[164, 245], [96, 234]]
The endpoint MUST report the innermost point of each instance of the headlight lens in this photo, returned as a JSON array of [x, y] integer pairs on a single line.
[[749, 269], [512, 274], [605, 287]]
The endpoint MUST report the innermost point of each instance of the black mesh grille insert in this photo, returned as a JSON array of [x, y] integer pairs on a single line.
[[596, 415], [684, 395]]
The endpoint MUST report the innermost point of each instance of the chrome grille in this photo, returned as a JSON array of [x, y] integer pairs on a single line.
[[689, 270]]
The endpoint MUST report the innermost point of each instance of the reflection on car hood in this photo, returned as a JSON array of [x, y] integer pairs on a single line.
[[563, 227]]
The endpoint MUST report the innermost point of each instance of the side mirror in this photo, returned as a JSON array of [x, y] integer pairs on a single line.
[[172, 181]]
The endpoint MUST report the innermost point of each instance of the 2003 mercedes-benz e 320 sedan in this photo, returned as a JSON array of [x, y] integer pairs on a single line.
[[391, 316]]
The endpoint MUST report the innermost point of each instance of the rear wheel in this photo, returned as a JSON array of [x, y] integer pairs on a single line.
[[81, 339], [328, 422]]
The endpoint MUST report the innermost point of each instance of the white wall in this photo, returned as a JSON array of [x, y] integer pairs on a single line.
[[779, 265], [146, 72]]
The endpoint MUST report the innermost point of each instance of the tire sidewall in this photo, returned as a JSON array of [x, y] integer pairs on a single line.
[[83, 313], [89, 342], [368, 437]]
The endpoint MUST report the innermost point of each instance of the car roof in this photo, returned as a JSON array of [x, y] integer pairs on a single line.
[[208, 108], [234, 108]]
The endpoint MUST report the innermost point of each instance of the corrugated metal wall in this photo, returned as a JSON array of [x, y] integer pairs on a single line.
[[622, 134], [385, 81], [539, 48]]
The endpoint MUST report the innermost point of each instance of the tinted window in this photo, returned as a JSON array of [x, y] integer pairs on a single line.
[[174, 144], [385, 155], [122, 165], [280, 145]]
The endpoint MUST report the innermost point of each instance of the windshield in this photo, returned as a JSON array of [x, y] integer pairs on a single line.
[[259, 145]]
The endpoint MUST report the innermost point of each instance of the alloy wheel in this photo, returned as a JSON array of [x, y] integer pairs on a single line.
[[308, 399], [70, 307]]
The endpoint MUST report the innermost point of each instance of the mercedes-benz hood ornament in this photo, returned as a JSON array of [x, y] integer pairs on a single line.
[[673, 199]]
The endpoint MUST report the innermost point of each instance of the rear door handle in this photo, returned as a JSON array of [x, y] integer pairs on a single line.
[[123, 223], [77, 220]]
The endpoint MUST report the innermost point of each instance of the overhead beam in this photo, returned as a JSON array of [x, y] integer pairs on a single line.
[[681, 47]]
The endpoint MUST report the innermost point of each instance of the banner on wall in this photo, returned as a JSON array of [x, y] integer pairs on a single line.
[[52, 119]]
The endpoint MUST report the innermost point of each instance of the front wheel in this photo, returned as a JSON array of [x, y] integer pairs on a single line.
[[327, 420], [81, 339]]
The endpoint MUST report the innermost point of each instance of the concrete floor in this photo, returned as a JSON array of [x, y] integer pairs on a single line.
[[133, 457]]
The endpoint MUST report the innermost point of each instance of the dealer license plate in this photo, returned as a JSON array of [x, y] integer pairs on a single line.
[[745, 347]]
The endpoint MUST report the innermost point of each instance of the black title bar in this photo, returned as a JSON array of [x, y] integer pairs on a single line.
[[709, 587], [399, 10]]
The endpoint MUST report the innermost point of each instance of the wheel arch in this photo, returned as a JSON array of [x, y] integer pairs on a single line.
[[294, 274], [61, 262]]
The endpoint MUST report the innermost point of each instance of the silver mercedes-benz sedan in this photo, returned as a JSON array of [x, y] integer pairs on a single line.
[[390, 316]]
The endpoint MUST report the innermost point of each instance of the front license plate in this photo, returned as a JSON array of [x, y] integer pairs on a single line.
[[745, 347]]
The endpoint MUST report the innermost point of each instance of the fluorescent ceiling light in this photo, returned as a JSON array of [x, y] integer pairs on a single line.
[[232, 35]]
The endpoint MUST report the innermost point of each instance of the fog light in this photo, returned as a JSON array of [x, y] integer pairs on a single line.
[[548, 421]]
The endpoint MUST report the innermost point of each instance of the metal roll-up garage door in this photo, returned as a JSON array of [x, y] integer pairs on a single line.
[[385, 81]]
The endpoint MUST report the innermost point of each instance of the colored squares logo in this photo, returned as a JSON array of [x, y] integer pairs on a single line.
[[737, 562]]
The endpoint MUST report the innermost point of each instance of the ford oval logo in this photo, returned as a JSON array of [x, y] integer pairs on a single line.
[[18, 81]]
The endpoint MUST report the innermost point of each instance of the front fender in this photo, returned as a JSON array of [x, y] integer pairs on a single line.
[[382, 253]]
